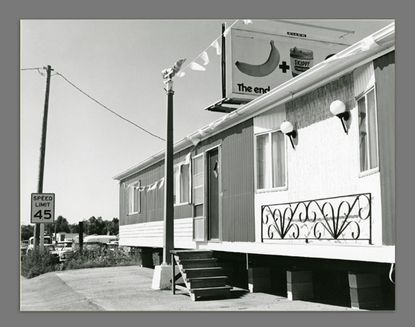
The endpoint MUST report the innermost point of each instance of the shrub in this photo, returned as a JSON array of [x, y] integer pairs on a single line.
[[38, 262], [99, 258]]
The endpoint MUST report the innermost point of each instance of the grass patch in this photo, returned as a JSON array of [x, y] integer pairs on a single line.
[[38, 262]]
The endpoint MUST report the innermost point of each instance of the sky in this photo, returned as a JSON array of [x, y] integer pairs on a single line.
[[119, 63]]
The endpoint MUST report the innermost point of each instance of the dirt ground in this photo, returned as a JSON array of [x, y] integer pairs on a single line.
[[129, 289]]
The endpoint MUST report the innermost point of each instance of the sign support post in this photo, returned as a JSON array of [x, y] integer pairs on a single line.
[[223, 61]]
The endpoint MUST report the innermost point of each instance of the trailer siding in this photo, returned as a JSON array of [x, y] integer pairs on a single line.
[[237, 160], [237, 223], [385, 94], [152, 202]]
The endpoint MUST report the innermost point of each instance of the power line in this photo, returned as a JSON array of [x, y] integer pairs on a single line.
[[32, 68], [98, 102], [105, 107]]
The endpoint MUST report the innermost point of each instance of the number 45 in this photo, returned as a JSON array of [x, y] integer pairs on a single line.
[[46, 214]]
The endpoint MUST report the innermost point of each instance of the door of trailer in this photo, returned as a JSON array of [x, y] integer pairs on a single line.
[[206, 195], [213, 191]]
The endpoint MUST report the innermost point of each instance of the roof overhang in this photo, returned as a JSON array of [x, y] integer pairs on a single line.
[[376, 44]]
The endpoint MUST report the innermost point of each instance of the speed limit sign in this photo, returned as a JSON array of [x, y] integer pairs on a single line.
[[43, 208]]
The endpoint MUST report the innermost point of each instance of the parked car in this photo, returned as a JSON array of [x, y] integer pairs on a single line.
[[65, 250], [52, 250], [95, 246], [113, 245], [100, 238], [23, 247], [46, 241], [91, 246]]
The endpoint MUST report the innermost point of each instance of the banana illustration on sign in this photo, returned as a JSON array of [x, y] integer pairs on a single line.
[[263, 69]]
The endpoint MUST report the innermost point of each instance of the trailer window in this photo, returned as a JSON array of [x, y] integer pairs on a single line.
[[134, 198], [182, 183], [270, 161], [198, 185], [368, 131], [263, 172]]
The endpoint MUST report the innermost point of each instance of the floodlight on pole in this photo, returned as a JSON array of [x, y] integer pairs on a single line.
[[169, 73]]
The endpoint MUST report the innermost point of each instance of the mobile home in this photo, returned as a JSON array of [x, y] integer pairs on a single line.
[[295, 189]]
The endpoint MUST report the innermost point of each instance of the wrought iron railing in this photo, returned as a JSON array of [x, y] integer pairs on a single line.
[[341, 218]]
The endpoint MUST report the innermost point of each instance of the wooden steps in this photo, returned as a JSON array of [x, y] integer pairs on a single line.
[[193, 254], [220, 291], [202, 274], [202, 282], [199, 263]]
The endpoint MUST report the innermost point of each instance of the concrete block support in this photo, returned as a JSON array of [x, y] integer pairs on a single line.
[[144, 255], [300, 285], [279, 281], [259, 279], [162, 277], [365, 290]]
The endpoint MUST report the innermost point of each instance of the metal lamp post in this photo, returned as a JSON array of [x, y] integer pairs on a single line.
[[168, 238], [168, 228], [162, 273]]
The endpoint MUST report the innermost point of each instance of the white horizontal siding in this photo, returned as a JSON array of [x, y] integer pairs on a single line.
[[151, 234]]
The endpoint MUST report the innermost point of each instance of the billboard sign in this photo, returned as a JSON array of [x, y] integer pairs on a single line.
[[259, 60]]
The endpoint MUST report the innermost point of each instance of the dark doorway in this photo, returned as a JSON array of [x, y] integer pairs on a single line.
[[213, 174]]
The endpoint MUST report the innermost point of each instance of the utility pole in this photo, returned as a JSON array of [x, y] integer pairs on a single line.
[[38, 241]]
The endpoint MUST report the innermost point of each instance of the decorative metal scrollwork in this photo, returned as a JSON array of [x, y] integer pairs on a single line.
[[342, 218]]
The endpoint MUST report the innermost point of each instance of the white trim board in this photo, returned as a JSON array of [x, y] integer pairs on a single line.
[[368, 253]]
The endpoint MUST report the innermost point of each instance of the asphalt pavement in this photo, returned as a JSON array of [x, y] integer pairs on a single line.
[[129, 289]]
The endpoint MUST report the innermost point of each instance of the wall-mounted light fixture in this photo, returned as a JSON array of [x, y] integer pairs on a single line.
[[338, 108], [288, 129]]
